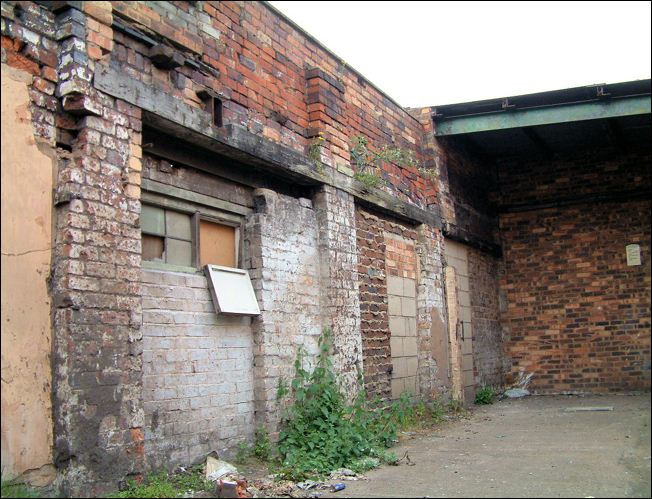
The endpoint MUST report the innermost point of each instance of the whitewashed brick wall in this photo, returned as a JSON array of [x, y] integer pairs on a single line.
[[197, 371], [281, 251]]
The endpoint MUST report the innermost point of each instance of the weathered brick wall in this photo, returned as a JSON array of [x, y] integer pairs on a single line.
[[401, 265], [578, 316], [431, 314], [386, 248], [374, 325], [484, 275], [95, 278], [339, 285], [198, 392], [466, 181], [302, 253], [281, 251], [589, 173], [255, 61]]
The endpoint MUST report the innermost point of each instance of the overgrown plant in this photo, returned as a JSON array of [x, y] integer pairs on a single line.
[[262, 448], [321, 432], [367, 162], [163, 484], [14, 489], [428, 173], [485, 395], [314, 152]]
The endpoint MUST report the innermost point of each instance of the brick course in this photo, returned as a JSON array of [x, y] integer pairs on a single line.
[[577, 316], [198, 387]]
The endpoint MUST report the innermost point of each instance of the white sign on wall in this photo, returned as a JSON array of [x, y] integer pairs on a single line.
[[633, 254]]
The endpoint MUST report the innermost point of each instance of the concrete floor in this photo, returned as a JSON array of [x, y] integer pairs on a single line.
[[526, 448]]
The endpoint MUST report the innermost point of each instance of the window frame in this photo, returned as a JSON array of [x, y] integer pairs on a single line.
[[176, 199]]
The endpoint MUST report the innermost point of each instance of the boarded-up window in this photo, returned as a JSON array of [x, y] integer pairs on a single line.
[[217, 244], [167, 236]]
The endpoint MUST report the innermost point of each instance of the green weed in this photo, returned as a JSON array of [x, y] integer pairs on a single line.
[[485, 395], [262, 448], [12, 489], [321, 432], [163, 484]]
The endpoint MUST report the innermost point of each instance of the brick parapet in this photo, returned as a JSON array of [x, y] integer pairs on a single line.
[[272, 79]]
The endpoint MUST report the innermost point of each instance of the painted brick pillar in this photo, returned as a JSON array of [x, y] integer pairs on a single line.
[[281, 254], [340, 298], [96, 279], [431, 312]]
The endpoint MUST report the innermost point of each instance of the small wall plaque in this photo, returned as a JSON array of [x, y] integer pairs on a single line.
[[633, 254]]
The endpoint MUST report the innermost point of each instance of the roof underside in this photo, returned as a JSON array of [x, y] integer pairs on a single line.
[[598, 116]]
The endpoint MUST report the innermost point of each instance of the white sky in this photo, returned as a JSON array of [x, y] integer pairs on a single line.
[[428, 53]]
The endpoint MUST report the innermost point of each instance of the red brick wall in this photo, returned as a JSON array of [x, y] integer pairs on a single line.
[[577, 316], [257, 62], [484, 274], [466, 182]]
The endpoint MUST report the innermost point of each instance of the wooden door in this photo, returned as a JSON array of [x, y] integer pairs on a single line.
[[459, 308]]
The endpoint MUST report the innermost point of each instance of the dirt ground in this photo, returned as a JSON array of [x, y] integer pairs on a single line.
[[529, 447]]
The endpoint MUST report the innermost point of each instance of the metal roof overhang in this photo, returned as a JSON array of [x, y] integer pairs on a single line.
[[625, 106], [615, 115]]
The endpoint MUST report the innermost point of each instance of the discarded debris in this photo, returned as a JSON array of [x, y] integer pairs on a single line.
[[308, 484], [514, 393], [346, 474], [405, 457], [216, 469], [589, 409], [226, 489], [267, 488], [523, 380], [337, 487]]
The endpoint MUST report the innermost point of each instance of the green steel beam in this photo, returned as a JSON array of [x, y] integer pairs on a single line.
[[627, 106]]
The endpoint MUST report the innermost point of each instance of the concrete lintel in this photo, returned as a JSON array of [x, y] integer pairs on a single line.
[[604, 109]]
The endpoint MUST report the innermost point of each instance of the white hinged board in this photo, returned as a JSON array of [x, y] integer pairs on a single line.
[[231, 290]]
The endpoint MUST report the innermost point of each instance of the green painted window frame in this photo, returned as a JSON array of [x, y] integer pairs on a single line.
[[196, 212]]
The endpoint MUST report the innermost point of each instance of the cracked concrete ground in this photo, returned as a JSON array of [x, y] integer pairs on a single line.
[[526, 448]]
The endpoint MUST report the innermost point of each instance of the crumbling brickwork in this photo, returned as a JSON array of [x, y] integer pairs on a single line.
[[390, 248], [577, 315], [374, 325], [465, 180], [255, 62]]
